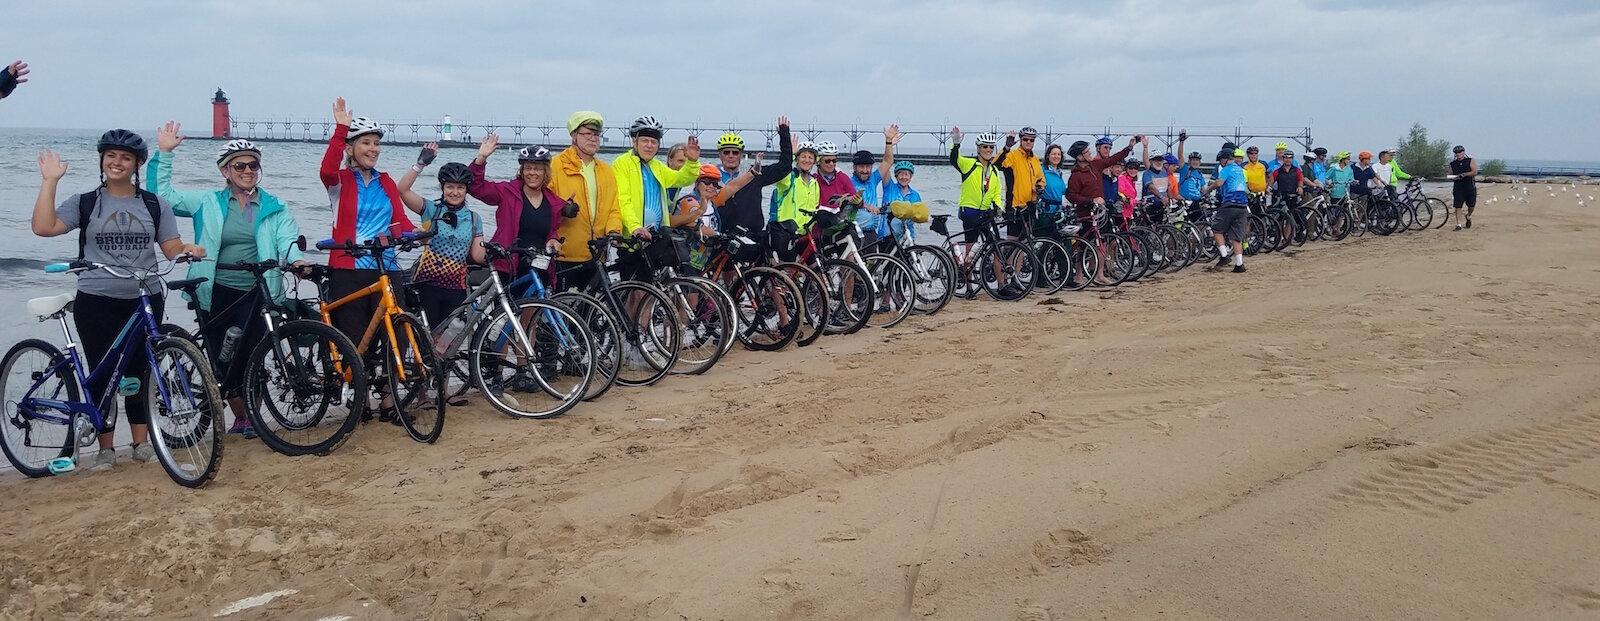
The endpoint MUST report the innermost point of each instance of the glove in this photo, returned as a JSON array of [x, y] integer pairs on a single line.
[[426, 157], [1011, 141], [1183, 136], [8, 82]]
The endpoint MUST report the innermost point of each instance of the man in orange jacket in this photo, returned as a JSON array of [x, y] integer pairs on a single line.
[[577, 176]]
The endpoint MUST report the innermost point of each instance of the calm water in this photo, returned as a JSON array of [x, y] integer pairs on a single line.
[[290, 173]]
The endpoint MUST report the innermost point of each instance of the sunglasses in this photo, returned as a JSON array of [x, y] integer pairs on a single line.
[[829, 160], [243, 166], [732, 152], [1027, 140]]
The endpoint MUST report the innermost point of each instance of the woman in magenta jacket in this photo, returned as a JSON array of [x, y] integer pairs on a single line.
[[527, 212]]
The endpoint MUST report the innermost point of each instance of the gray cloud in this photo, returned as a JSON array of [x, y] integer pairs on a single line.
[[1510, 80]]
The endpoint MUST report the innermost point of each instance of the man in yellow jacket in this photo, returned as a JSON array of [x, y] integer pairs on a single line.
[[577, 176], [1024, 176]]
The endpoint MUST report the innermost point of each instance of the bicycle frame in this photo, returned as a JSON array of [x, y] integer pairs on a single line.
[[387, 309]]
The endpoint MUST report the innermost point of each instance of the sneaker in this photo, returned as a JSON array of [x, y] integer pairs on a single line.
[[1238, 269], [1223, 260], [1458, 227], [523, 382], [241, 426], [1469, 222], [104, 459], [144, 452], [1010, 291]]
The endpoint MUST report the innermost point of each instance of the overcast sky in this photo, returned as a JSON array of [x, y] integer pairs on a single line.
[[1514, 80]]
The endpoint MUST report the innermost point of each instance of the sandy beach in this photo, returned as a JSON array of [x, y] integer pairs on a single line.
[[1382, 428]]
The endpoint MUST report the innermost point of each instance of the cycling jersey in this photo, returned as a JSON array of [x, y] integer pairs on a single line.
[[1287, 180], [642, 188], [1191, 182], [1255, 176], [1235, 187], [1339, 178], [980, 182]]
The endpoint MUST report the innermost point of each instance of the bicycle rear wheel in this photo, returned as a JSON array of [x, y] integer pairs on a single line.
[[1054, 265], [418, 398], [896, 289], [536, 362], [305, 388], [603, 326], [935, 271], [849, 296], [813, 300], [185, 412], [705, 325], [1018, 268], [1083, 263], [650, 335], [1440, 211], [768, 304], [30, 442]]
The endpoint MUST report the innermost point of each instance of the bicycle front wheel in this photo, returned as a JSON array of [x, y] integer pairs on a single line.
[[536, 363], [896, 289], [813, 300], [305, 388], [1006, 270], [416, 380], [35, 369], [768, 304], [935, 270], [702, 322], [650, 335], [849, 297], [185, 413]]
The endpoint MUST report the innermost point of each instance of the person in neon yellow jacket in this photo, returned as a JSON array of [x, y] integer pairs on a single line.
[[642, 196], [1397, 175]]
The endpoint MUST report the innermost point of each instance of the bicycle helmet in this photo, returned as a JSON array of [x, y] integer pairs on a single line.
[[862, 157], [905, 165], [124, 140], [1027, 132], [826, 148], [987, 139], [1252, 149], [1309, 156], [1282, 146], [1365, 155], [234, 148], [1077, 149], [1238, 153], [731, 140], [455, 172], [1171, 159], [1342, 155], [533, 154], [645, 126], [1321, 152], [710, 171], [361, 126], [1103, 140], [1225, 154], [1289, 154], [1194, 155], [807, 145]]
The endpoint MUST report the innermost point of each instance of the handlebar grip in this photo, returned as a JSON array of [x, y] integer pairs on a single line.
[[327, 244], [57, 268]]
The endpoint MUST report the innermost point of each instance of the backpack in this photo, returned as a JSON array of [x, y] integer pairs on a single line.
[[88, 201]]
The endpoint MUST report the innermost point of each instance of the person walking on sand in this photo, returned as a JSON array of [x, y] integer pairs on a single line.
[[1464, 172]]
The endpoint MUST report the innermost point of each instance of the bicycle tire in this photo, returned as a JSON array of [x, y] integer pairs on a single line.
[[813, 297], [424, 380], [290, 435], [1083, 262], [846, 316], [603, 327], [570, 354], [1019, 278], [1441, 212], [701, 322], [935, 270], [725, 304], [896, 289], [12, 421], [1054, 265], [200, 424], [661, 336], [761, 296]]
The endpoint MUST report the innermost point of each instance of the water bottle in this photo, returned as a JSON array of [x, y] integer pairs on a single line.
[[453, 326], [230, 342], [128, 386]]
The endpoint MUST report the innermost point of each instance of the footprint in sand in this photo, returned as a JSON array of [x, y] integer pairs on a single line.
[[1033, 613], [1585, 598], [1069, 547]]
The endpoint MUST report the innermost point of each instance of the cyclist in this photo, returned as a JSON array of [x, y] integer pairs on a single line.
[[528, 213], [1023, 174], [366, 205], [743, 211], [1383, 173], [1340, 175], [1319, 168], [1191, 180], [980, 183], [1102, 148], [641, 193], [795, 199], [1364, 176], [1308, 172], [699, 208], [582, 179], [1398, 174], [1085, 187], [870, 182], [1158, 181], [1286, 180], [14, 74], [900, 190], [1128, 186], [1054, 168], [240, 223], [118, 224], [1231, 221], [835, 190], [1464, 172], [441, 271], [1277, 156], [1255, 171]]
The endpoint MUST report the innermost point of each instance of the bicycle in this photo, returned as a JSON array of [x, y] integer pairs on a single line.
[[503, 344], [650, 337], [47, 418], [1002, 268], [704, 311], [294, 374], [890, 285], [933, 269], [767, 302], [401, 365]]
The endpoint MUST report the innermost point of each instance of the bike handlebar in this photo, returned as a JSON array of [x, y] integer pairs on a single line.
[[403, 243]]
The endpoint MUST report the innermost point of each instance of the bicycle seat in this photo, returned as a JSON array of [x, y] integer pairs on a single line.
[[45, 307], [187, 285]]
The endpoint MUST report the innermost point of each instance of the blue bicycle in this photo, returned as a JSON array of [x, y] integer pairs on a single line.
[[46, 419]]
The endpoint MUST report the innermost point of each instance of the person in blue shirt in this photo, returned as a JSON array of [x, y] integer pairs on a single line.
[[1055, 178], [869, 181], [1231, 222], [900, 190]]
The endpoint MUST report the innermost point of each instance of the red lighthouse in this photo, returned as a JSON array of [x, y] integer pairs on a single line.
[[219, 115]]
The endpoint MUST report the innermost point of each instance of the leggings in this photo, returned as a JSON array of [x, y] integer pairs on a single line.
[[232, 308], [437, 302], [99, 320], [352, 318]]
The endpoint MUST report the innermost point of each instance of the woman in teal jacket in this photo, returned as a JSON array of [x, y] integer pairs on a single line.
[[238, 223]]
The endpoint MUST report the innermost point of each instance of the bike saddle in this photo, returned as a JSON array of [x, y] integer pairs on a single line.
[[187, 285], [47, 306]]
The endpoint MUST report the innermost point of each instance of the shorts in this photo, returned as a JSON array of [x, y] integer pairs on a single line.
[[1467, 196], [973, 221], [1019, 229], [1231, 222]]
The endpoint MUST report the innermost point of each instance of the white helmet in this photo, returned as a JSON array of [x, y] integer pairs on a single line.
[[361, 126], [827, 148], [236, 147], [986, 139], [645, 126], [807, 145]]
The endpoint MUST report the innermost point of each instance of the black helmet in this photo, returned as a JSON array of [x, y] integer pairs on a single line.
[[1027, 132], [124, 140], [862, 157], [1194, 155], [455, 172], [1225, 154], [1077, 149], [1321, 152]]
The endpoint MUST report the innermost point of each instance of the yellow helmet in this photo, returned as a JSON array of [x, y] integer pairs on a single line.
[[731, 140]]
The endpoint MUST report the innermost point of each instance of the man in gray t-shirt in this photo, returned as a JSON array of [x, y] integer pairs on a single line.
[[119, 233]]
